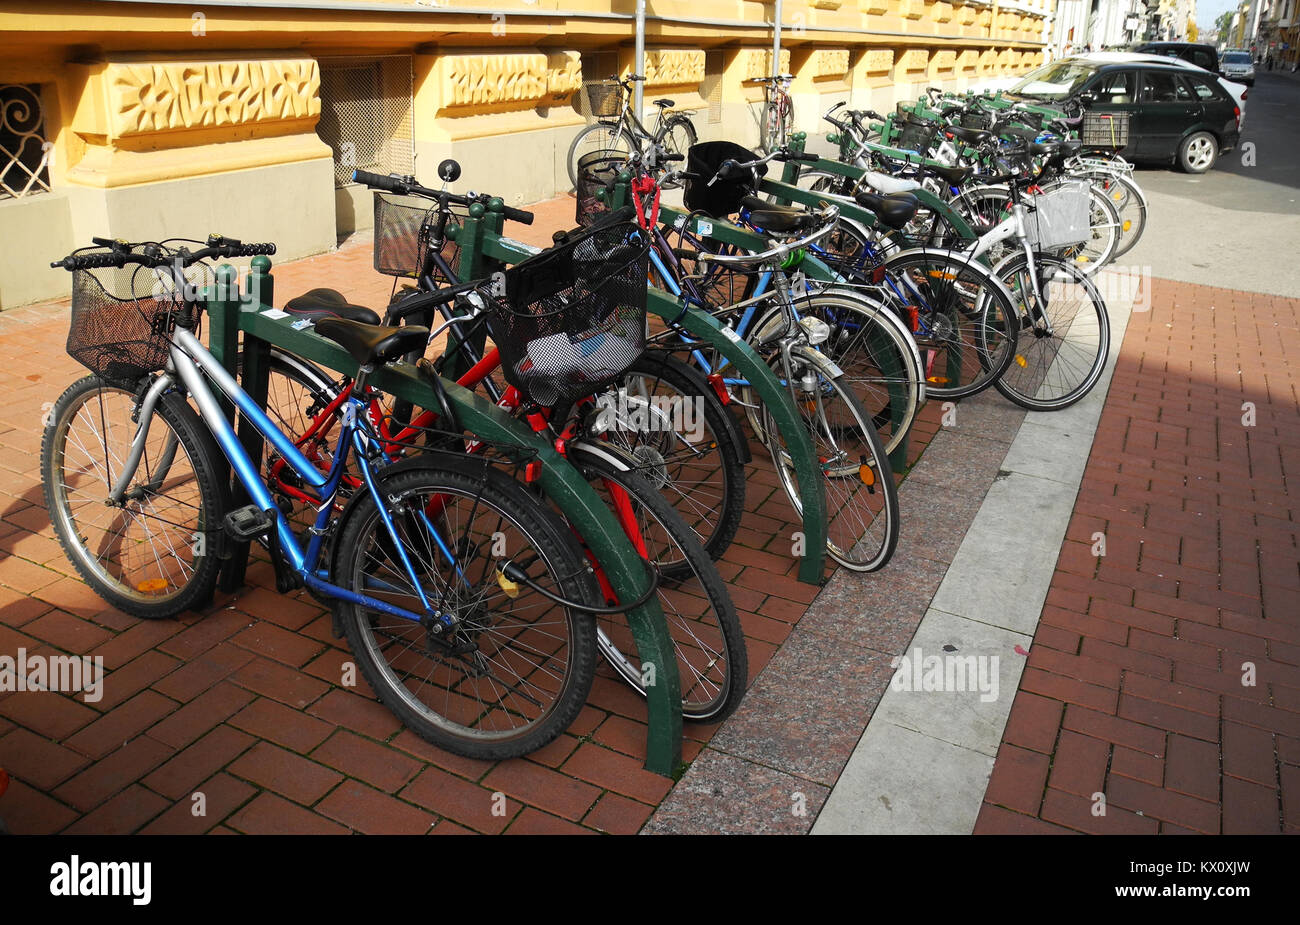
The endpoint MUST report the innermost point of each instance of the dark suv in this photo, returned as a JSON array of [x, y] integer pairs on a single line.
[[1175, 113], [1206, 56]]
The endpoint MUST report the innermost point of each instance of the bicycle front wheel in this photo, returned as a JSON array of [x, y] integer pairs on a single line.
[[155, 553], [1064, 335], [599, 137], [712, 663], [862, 516], [516, 667]]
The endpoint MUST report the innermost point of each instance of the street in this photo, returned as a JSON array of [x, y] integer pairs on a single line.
[[1237, 226]]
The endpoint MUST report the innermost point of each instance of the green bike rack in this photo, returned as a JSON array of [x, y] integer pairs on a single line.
[[483, 248], [562, 483]]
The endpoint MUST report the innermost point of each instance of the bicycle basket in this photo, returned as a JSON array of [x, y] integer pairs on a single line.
[[121, 321], [1105, 129], [597, 172], [976, 119], [401, 235], [723, 197], [1062, 216], [916, 134], [573, 318], [604, 99]]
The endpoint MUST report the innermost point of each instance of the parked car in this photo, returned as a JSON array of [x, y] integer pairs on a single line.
[[1176, 114], [1206, 56], [1238, 91], [1239, 66]]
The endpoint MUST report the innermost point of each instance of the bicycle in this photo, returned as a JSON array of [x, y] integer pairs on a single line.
[[481, 655], [778, 111], [625, 133]]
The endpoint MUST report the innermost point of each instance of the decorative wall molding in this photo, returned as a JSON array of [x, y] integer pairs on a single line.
[[829, 63], [151, 97], [476, 80], [758, 62], [563, 73], [674, 67], [878, 61], [941, 12], [942, 64], [914, 59]]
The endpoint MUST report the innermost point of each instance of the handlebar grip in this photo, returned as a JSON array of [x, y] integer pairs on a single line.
[[518, 215], [252, 250], [89, 261], [730, 170], [670, 158], [804, 156], [379, 181]]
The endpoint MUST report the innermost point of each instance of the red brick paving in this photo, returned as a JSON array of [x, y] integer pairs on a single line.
[[238, 702], [1134, 684]]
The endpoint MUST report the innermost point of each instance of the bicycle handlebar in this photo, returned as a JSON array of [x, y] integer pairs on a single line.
[[155, 256], [406, 186]]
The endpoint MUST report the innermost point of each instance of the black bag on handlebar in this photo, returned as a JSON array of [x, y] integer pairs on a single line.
[[723, 197]]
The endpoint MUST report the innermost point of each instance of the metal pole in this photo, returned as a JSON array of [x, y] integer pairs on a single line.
[[638, 93], [776, 38]]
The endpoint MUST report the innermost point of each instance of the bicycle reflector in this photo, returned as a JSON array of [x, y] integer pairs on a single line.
[[866, 474]]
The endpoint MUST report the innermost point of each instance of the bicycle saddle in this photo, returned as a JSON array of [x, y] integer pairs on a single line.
[[319, 304], [893, 209], [664, 104], [372, 343], [953, 176], [972, 136], [771, 217]]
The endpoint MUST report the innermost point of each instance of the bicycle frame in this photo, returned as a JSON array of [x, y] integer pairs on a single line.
[[196, 367]]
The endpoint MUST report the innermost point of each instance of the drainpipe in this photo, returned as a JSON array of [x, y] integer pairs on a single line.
[[638, 89], [776, 38]]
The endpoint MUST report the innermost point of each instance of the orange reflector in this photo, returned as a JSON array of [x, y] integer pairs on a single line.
[[1128, 223], [940, 274], [937, 380], [1119, 194], [719, 388], [1021, 361], [152, 584], [533, 471], [867, 475]]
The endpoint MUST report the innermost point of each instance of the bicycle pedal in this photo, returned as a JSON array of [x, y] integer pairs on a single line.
[[246, 524]]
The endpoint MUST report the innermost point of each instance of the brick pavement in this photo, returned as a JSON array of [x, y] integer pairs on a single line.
[[1165, 674]]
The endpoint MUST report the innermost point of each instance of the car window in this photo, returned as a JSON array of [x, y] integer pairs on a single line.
[[1163, 87], [1116, 87], [1204, 89], [1202, 59], [1236, 57]]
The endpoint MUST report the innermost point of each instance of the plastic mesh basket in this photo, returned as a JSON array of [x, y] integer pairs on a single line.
[[597, 171], [915, 134], [976, 118], [1062, 216], [573, 318], [121, 321], [1105, 129], [604, 99]]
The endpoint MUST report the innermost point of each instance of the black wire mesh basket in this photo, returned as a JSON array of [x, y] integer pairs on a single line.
[[573, 318], [122, 320], [597, 172], [402, 228], [604, 99], [976, 118]]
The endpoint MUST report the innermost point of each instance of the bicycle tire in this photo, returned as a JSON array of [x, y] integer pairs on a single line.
[[175, 515], [678, 135], [680, 466], [440, 695], [1037, 380], [1128, 200], [603, 137], [965, 319], [878, 359], [862, 517], [712, 660]]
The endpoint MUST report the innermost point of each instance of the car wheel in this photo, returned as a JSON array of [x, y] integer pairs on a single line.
[[1198, 152]]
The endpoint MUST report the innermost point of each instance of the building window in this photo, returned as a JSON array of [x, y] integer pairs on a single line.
[[366, 115], [24, 152]]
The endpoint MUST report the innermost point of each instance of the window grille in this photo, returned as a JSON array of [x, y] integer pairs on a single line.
[[24, 152], [366, 115]]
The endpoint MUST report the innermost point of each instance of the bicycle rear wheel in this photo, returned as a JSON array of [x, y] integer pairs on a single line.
[[517, 667], [862, 515], [964, 321], [154, 554], [1063, 343], [712, 662]]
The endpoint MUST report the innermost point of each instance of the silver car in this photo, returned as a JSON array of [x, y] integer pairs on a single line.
[[1238, 66]]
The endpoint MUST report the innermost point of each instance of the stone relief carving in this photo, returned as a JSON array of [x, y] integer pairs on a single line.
[[671, 67], [879, 60], [830, 62], [468, 81], [163, 96], [758, 62]]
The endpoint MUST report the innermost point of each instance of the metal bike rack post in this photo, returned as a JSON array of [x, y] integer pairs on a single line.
[[563, 484]]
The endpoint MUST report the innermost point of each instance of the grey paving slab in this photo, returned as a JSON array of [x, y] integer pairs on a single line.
[[721, 794], [806, 711], [957, 682], [1051, 452], [904, 782], [960, 462], [1001, 574], [936, 518]]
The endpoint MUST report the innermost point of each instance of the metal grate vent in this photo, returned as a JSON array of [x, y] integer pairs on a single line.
[[366, 115], [711, 89]]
